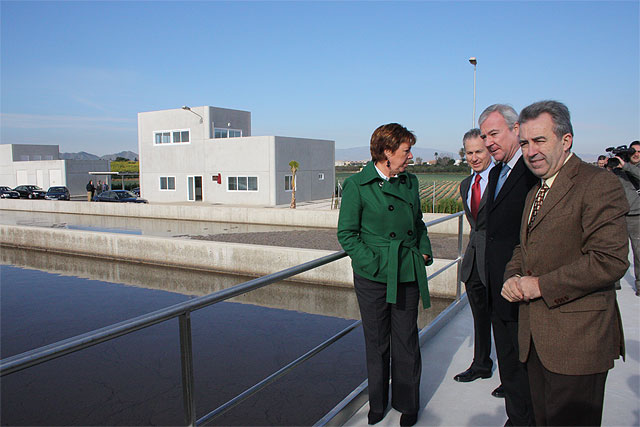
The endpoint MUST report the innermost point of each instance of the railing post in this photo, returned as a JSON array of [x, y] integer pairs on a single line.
[[186, 356], [460, 230]]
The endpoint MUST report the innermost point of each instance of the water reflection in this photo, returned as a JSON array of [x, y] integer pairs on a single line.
[[135, 379], [305, 297], [132, 225]]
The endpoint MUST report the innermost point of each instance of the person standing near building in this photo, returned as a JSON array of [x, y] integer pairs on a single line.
[[563, 271], [509, 183], [629, 175], [380, 227], [90, 191], [472, 191]]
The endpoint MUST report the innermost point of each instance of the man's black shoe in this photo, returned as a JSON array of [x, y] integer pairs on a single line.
[[471, 374], [498, 392], [407, 420]]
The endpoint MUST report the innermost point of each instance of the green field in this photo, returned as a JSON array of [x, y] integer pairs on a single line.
[[445, 185]]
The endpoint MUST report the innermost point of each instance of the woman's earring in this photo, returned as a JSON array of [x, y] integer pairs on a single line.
[[388, 164]]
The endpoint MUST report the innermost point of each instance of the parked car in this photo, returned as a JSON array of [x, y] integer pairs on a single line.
[[121, 196], [58, 193], [8, 193], [30, 191], [136, 191]]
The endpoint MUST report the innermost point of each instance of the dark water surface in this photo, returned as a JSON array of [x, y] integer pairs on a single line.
[[136, 379]]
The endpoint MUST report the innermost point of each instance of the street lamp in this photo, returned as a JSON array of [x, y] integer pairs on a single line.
[[184, 107], [473, 61]]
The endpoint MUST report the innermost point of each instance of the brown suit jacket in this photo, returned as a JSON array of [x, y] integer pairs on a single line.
[[577, 248]]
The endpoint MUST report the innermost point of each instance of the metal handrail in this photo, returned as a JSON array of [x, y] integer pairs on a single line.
[[183, 312]]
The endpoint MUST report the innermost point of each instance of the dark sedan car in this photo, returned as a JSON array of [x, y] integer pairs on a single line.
[[8, 193], [121, 196], [58, 193], [30, 191]]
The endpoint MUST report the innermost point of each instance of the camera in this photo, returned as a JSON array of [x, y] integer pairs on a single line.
[[621, 151]]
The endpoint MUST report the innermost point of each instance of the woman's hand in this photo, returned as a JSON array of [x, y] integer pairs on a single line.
[[426, 258]]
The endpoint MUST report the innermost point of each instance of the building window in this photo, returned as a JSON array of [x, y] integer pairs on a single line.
[[320, 176], [226, 133], [288, 183], [242, 183], [167, 183], [178, 136]]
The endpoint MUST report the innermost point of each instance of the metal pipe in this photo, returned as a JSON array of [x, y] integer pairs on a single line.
[[186, 358]]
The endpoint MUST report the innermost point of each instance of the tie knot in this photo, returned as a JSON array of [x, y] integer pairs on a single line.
[[478, 178]]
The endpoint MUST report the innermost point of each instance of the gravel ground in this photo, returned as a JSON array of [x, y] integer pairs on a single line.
[[443, 245]]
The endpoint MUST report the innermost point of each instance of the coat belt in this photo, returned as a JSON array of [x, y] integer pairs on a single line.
[[394, 246]]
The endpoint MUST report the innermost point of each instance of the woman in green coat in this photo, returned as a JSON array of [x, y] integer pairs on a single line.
[[381, 229]]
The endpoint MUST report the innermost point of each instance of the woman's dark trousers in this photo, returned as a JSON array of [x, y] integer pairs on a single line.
[[391, 332]]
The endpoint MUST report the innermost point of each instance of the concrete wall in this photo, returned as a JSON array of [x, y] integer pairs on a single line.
[[251, 260], [28, 152], [239, 214], [315, 156]]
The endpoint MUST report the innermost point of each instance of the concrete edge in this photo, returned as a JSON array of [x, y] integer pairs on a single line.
[[234, 258]]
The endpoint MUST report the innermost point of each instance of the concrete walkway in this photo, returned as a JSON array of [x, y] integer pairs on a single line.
[[448, 403]]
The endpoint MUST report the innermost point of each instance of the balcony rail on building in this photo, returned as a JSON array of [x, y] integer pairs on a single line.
[[183, 312]]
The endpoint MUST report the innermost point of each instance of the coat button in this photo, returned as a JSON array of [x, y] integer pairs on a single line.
[[392, 234], [411, 204], [391, 207], [410, 232], [403, 180]]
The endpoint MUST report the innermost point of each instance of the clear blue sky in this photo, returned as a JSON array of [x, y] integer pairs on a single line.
[[77, 73]]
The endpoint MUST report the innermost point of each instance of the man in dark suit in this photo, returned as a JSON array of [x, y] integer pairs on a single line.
[[572, 249], [509, 183], [472, 191]]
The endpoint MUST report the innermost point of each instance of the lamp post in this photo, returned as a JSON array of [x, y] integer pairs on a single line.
[[473, 61], [184, 107]]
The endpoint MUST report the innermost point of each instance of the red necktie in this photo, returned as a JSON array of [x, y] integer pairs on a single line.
[[475, 197]]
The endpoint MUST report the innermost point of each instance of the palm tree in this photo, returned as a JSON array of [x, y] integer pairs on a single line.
[[294, 168]]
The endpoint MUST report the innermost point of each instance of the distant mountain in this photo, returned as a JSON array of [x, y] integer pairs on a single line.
[[363, 153], [82, 155], [126, 154]]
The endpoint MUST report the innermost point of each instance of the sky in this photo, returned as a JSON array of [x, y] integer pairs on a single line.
[[76, 73]]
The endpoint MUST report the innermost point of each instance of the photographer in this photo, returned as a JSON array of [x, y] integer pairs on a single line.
[[626, 165]]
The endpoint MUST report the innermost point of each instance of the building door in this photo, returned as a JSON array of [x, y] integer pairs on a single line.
[[55, 177], [21, 177], [194, 188]]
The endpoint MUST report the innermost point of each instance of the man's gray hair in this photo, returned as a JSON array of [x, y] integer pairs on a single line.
[[506, 111], [472, 133], [557, 110]]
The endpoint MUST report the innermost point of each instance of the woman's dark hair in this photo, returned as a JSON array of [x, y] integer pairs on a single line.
[[389, 137]]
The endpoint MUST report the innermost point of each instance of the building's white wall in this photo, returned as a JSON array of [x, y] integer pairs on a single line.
[[314, 156]]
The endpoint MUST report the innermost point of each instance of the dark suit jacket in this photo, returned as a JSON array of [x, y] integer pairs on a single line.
[[503, 231], [476, 246], [577, 247]]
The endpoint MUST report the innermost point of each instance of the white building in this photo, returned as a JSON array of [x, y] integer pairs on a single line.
[[208, 154], [41, 165]]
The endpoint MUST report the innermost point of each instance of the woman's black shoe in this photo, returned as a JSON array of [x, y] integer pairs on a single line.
[[408, 419], [375, 417]]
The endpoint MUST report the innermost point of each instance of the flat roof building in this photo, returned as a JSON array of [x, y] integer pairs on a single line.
[[41, 165], [209, 154]]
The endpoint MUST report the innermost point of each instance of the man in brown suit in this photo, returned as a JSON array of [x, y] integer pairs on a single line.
[[572, 250]]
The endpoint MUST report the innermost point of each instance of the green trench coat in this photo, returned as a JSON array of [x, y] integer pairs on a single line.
[[381, 228]]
